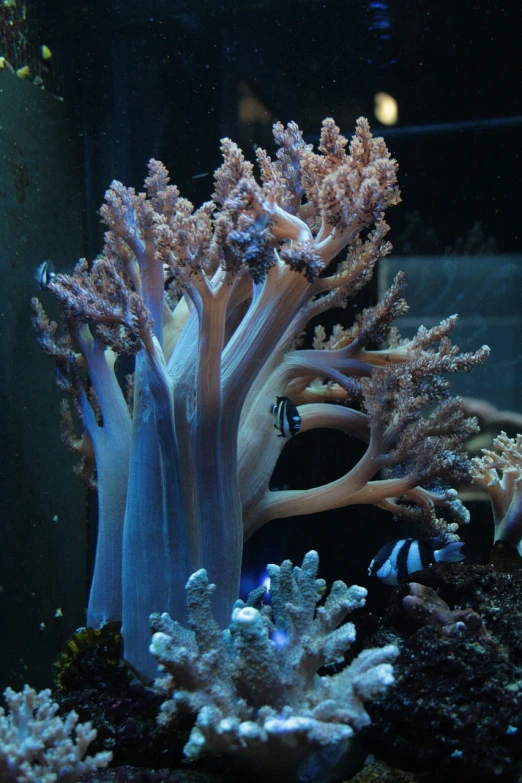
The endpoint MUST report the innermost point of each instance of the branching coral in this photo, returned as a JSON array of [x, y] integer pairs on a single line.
[[211, 302], [37, 746], [254, 687], [500, 471]]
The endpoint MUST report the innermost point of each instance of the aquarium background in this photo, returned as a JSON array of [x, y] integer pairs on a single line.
[[132, 80]]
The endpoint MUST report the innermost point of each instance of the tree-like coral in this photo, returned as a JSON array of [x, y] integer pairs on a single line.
[[254, 687], [210, 303]]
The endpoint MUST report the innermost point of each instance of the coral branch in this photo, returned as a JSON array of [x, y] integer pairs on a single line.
[[37, 746], [500, 471]]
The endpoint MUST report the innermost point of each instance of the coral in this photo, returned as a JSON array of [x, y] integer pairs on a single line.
[[211, 303], [254, 687], [37, 746], [427, 608], [500, 471], [93, 681]]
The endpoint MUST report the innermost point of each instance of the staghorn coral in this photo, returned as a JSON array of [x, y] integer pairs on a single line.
[[500, 471], [210, 302], [37, 746], [254, 687]]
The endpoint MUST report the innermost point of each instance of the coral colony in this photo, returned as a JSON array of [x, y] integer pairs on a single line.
[[255, 689], [37, 746], [212, 303]]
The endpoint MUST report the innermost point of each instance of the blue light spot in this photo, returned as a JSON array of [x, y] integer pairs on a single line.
[[280, 639]]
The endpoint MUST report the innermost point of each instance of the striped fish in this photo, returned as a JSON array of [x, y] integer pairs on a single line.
[[287, 418], [44, 274], [398, 559]]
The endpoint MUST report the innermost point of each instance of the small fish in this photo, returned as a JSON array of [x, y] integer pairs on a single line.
[[200, 176], [399, 558], [287, 418], [45, 274]]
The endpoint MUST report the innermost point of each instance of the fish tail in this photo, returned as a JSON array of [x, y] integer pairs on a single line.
[[451, 553]]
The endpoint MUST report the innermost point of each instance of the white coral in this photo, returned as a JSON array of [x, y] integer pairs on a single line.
[[37, 746], [255, 687]]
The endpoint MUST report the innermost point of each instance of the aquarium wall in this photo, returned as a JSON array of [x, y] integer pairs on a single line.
[[43, 565]]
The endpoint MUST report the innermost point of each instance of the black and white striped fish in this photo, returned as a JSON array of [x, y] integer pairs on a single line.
[[287, 418], [399, 558], [44, 274]]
